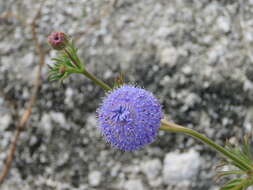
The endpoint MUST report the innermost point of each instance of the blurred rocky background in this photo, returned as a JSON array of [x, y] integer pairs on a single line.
[[195, 56]]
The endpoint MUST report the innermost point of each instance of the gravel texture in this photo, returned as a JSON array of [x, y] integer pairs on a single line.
[[195, 56]]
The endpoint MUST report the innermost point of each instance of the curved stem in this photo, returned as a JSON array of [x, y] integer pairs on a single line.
[[96, 80], [168, 126], [80, 69]]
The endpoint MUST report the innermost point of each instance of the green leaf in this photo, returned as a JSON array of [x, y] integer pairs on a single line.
[[244, 154], [246, 147], [232, 184], [232, 172]]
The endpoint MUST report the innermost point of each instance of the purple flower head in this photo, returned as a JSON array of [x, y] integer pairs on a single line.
[[130, 117], [57, 40]]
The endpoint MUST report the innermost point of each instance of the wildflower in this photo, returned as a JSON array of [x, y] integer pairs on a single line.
[[58, 40], [130, 117]]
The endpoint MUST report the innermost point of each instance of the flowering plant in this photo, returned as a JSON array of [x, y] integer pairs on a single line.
[[130, 117]]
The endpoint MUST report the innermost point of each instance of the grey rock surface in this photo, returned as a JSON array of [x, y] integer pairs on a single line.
[[195, 56], [151, 168], [134, 184], [181, 167], [94, 178]]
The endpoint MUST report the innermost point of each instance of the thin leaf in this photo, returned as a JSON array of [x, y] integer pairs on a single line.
[[231, 184]]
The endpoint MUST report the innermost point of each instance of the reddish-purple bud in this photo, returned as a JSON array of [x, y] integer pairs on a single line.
[[58, 40], [62, 69]]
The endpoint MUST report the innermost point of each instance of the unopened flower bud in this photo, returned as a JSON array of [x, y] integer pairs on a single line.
[[62, 69], [58, 40]]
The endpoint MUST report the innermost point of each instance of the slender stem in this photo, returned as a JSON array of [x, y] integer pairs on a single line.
[[87, 74], [168, 126], [96, 80]]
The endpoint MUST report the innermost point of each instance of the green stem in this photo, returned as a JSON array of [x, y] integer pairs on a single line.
[[86, 73], [96, 80], [168, 126]]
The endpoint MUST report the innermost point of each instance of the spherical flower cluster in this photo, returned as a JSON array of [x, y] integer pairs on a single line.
[[130, 117], [57, 40]]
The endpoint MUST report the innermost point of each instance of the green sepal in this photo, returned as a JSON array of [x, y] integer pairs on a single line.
[[119, 80]]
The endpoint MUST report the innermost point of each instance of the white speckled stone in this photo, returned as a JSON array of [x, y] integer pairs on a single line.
[[180, 167]]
